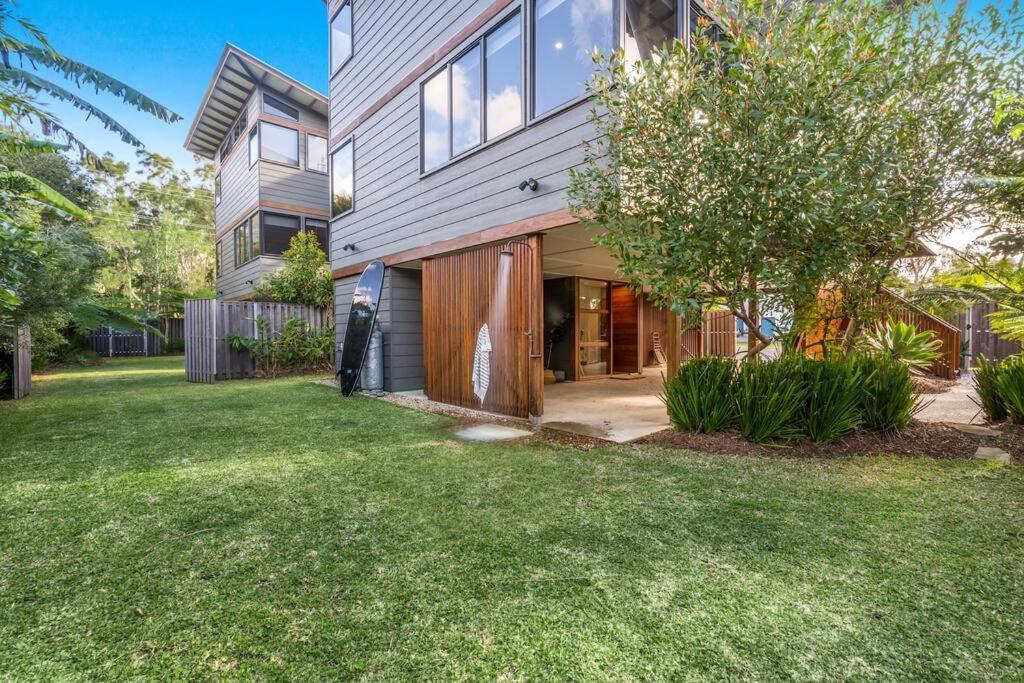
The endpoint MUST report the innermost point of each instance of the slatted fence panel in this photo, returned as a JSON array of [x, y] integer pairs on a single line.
[[21, 372], [974, 326], [719, 334]]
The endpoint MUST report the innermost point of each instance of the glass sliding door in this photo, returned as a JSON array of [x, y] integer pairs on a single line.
[[594, 328]]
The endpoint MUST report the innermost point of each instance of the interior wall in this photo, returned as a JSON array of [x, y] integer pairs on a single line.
[[559, 325]]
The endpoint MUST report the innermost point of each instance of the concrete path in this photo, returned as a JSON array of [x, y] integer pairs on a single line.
[[617, 410], [956, 405]]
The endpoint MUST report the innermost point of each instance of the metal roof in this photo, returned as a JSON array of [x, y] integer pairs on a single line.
[[237, 75]]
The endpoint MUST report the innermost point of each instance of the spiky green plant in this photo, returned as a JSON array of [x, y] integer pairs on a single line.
[[902, 342], [833, 398], [986, 384], [770, 398], [1010, 382], [699, 398], [889, 398]]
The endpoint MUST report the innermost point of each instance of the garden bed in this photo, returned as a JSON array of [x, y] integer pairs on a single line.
[[928, 439]]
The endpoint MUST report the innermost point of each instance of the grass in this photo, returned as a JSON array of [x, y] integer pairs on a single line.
[[154, 529]]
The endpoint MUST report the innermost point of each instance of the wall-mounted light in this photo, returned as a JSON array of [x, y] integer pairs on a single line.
[[529, 183], [349, 247]]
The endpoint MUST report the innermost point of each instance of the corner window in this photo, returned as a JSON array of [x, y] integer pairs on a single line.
[[566, 34], [341, 36], [279, 144], [254, 144], [316, 153], [247, 240], [650, 24], [322, 231], [342, 180], [216, 190], [275, 107], [455, 116], [278, 231]]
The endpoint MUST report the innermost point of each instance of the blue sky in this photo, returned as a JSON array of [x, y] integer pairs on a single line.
[[168, 50]]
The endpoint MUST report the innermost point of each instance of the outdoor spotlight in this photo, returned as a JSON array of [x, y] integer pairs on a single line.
[[349, 247], [529, 183]]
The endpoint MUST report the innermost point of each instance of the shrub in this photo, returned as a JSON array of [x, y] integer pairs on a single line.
[[305, 277], [1010, 382], [833, 405], [889, 398], [699, 398], [902, 342], [986, 383], [295, 347], [770, 399]]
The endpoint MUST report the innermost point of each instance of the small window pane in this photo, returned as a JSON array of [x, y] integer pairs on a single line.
[[341, 180], [275, 107], [279, 144], [254, 142], [567, 33], [504, 79], [649, 24], [435, 121], [255, 243], [701, 22], [316, 153], [341, 37], [216, 190], [322, 233], [466, 76], [278, 232]]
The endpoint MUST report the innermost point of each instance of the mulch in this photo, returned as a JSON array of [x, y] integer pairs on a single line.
[[929, 439]]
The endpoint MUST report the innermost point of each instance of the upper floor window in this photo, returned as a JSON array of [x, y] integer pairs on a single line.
[[566, 34], [234, 133], [459, 110], [279, 144], [316, 153], [650, 24], [275, 107], [342, 180], [216, 190], [341, 36]]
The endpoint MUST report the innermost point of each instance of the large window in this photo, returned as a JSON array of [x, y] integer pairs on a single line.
[[566, 34], [459, 111], [236, 131], [278, 231], [275, 107], [342, 180], [650, 24], [341, 37], [322, 231], [247, 240], [279, 144], [316, 153]]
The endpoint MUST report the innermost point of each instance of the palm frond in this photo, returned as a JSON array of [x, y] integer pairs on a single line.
[[11, 143], [44, 194], [81, 74], [30, 81]]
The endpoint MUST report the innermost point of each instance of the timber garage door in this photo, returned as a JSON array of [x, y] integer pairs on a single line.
[[462, 292]]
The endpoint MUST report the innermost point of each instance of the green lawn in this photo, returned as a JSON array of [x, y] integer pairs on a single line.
[[271, 529]]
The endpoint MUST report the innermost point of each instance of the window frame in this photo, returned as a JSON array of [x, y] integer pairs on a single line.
[[246, 250], [280, 100], [298, 144], [262, 215], [235, 132], [254, 133], [327, 155], [350, 140], [326, 224], [332, 70], [478, 40]]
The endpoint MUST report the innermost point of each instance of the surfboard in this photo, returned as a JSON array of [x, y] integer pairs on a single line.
[[365, 302]]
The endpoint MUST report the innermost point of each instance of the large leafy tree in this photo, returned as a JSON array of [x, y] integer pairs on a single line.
[[811, 147]]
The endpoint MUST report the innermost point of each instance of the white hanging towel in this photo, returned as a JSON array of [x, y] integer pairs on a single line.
[[482, 363]]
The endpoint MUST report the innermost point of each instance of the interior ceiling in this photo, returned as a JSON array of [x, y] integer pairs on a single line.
[[570, 251]]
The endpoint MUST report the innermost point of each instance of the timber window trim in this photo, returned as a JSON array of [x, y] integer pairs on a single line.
[[338, 60], [478, 43], [339, 210]]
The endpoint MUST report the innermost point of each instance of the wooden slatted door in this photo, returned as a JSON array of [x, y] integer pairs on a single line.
[[627, 350], [462, 292]]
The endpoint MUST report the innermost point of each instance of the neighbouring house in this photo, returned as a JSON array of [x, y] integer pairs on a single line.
[[450, 162], [267, 135]]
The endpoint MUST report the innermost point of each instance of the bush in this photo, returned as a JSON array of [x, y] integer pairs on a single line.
[[833, 405], [3, 383], [304, 279], [889, 398], [699, 398], [294, 348], [902, 342], [1010, 382], [986, 383], [770, 399]]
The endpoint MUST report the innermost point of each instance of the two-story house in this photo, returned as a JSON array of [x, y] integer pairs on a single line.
[[453, 129], [267, 135]]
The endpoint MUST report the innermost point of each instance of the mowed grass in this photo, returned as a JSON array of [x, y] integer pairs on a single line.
[[150, 528]]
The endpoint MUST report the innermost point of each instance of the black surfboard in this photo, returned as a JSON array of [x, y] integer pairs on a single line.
[[365, 302]]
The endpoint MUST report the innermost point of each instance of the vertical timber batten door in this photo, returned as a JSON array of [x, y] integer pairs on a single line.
[[461, 293]]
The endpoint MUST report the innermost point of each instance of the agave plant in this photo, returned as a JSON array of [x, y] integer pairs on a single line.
[[902, 342]]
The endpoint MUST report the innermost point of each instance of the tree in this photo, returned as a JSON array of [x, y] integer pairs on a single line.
[[810, 148], [305, 277]]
